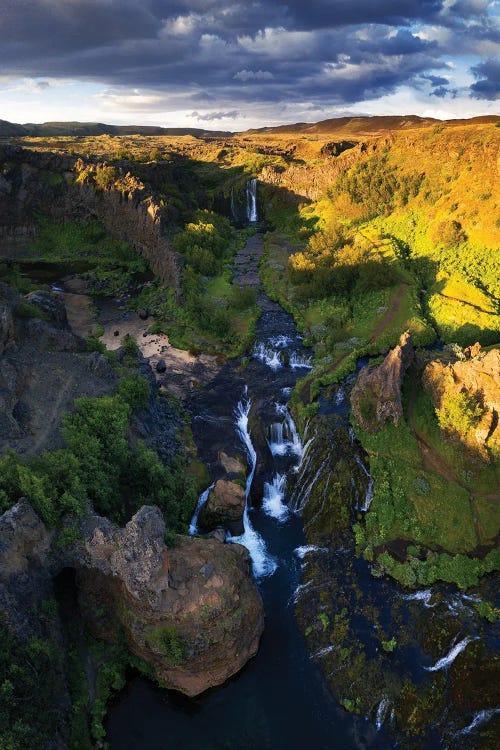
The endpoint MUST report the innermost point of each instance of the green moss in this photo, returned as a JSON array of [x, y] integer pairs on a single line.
[[169, 642]]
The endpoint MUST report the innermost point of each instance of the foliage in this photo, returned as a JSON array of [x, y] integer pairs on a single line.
[[134, 390], [31, 690], [459, 412], [30, 310], [168, 641], [105, 177]]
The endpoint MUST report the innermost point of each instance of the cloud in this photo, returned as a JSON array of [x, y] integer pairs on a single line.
[[317, 53], [211, 116], [253, 75], [488, 83]]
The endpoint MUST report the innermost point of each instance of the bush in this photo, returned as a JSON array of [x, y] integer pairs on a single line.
[[459, 412], [448, 234], [105, 177], [134, 390]]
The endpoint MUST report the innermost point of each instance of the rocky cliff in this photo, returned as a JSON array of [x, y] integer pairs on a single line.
[[477, 376], [62, 188], [376, 396], [191, 612]]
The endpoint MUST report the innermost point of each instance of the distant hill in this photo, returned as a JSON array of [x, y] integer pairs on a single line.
[[373, 124], [338, 125], [50, 129]]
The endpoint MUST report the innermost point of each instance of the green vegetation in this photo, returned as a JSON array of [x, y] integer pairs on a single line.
[[108, 265], [430, 514], [169, 642], [31, 689], [459, 413], [99, 465]]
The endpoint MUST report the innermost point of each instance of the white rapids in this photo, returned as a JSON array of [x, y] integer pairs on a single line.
[[263, 564], [193, 526], [450, 657], [274, 493]]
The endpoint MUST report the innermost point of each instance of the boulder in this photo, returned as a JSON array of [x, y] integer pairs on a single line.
[[161, 366], [232, 465], [224, 507], [376, 395]]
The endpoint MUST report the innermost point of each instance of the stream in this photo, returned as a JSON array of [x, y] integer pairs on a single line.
[[280, 699]]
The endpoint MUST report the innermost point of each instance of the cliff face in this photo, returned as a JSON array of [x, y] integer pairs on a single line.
[[376, 396], [477, 376], [192, 612], [63, 188]]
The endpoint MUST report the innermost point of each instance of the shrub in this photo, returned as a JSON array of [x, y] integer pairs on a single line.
[[459, 412], [448, 234], [169, 642], [134, 390], [105, 177]]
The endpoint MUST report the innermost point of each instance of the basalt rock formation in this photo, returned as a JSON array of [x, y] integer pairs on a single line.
[[63, 188], [376, 396], [477, 375], [131, 585]]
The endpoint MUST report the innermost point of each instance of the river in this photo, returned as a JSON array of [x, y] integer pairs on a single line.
[[280, 699]]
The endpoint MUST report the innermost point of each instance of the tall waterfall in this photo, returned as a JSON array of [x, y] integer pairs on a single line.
[[252, 201], [263, 564]]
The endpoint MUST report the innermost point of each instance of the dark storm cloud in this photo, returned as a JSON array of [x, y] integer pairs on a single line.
[[488, 85], [223, 50]]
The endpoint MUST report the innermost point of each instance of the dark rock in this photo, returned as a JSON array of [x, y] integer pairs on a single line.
[[144, 314], [116, 333], [52, 305], [161, 366]]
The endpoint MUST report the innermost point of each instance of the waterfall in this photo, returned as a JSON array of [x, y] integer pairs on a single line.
[[451, 656], [274, 492], [284, 438], [262, 563], [421, 596], [306, 549], [193, 526], [252, 201], [383, 708], [268, 356], [300, 361], [369, 490], [481, 717]]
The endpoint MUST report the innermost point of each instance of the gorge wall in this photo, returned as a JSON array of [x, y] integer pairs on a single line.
[[64, 188]]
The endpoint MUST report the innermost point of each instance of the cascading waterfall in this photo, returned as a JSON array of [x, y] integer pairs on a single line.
[[451, 656], [382, 711], [481, 717], [193, 526], [252, 216], [274, 493], [300, 361], [262, 563], [268, 356], [369, 490]]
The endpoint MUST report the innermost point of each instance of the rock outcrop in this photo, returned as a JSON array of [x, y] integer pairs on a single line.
[[192, 612], [477, 375], [43, 367], [224, 507], [376, 396]]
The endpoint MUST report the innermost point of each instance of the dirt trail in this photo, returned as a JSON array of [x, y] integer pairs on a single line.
[[391, 313]]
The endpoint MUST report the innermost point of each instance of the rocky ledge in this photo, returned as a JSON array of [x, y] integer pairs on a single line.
[[376, 396], [192, 612]]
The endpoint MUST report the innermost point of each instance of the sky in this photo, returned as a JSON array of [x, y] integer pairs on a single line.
[[236, 65]]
